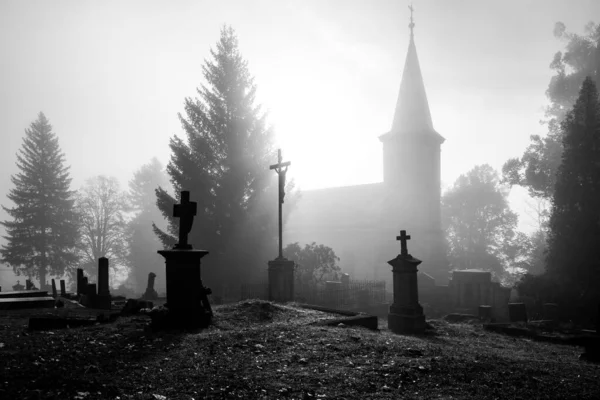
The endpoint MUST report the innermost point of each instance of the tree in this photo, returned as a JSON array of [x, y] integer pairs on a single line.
[[314, 263], [573, 250], [43, 231], [103, 207], [142, 199], [224, 164], [536, 169], [480, 227]]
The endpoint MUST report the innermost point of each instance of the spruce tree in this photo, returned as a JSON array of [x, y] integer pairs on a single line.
[[42, 234], [574, 238], [224, 164]]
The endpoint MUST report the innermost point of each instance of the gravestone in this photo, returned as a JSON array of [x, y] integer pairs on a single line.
[[102, 300], [63, 290], [333, 293], [54, 294], [28, 285], [18, 287], [485, 313], [281, 270], [517, 312], [551, 312], [345, 279], [80, 286], [187, 297], [406, 314], [150, 293]]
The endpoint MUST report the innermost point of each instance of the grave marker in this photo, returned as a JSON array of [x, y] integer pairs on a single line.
[[187, 297], [406, 314], [63, 291], [54, 294], [281, 270]]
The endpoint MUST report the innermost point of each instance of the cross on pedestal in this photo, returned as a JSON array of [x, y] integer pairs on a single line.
[[185, 212], [279, 168], [403, 238]]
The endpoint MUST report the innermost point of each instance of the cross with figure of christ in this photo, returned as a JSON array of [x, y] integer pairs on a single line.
[[403, 238], [185, 212], [279, 168]]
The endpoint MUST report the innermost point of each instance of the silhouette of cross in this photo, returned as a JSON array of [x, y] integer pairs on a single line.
[[185, 212], [403, 238]]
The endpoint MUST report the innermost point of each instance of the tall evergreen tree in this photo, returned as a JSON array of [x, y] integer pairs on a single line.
[[43, 232], [142, 239], [536, 169], [574, 238], [224, 164]]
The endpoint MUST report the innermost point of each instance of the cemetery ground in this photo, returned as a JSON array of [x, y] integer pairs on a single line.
[[256, 349]]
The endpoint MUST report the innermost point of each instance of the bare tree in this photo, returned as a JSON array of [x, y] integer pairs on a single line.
[[103, 207]]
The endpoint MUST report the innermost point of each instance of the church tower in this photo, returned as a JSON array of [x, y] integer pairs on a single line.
[[411, 168]]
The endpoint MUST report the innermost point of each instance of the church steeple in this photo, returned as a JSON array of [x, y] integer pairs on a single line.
[[412, 109]]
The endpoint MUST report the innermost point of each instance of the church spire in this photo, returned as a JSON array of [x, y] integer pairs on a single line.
[[412, 109]]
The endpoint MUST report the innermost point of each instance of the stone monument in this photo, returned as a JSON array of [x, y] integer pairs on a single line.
[[103, 299], [187, 297], [150, 293], [281, 270], [406, 314]]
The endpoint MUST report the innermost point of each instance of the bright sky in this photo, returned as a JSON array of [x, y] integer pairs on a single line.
[[112, 76]]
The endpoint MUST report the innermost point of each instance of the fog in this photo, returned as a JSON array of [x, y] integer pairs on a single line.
[[112, 76]]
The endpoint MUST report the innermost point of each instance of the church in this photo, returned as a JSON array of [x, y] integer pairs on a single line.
[[360, 223]]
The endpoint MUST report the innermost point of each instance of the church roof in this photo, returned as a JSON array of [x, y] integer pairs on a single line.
[[412, 113]]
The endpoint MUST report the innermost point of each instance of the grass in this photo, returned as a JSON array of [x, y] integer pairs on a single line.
[[260, 350]]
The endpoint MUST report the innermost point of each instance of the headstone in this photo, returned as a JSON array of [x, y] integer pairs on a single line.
[[150, 293], [517, 312], [102, 299], [187, 297], [551, 312], [63, 291], [333, 293], [485, 313], [80, 285], [18, 287], [28, 285], [345, 279], [103, 276], [54, 294], [406, 314]]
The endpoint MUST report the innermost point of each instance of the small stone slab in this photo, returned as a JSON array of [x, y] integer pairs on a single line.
[[26, 302], [23, 293], [367, 321]]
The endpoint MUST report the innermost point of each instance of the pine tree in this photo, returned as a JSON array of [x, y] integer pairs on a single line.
[[224, 165], [574, 238], [43, 232], [142, 239]]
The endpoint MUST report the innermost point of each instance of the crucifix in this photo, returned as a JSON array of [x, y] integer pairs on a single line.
[[412, 24], [185, 212], [281, 169], [403, 238]]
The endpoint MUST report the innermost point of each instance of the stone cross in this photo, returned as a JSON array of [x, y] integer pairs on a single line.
[[279, 168], [186, 211], [403, 238]]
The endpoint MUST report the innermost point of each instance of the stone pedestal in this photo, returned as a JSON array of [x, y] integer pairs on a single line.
[[406, 314], [281, 280], [187, 299]]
